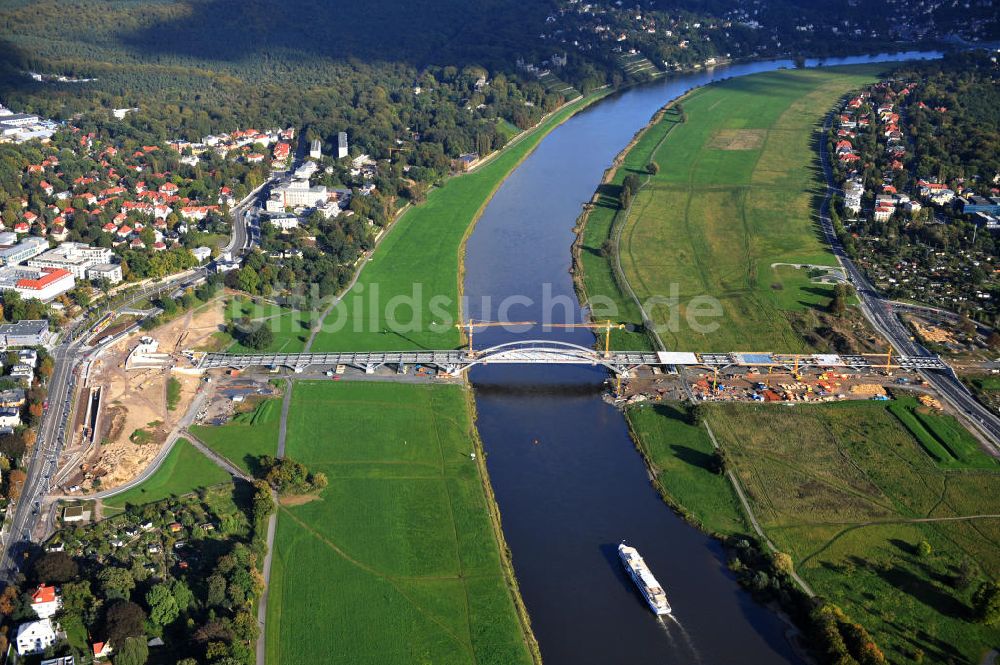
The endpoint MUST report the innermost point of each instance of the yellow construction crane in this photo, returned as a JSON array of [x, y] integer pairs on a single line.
[[470, 325], [607, 326]]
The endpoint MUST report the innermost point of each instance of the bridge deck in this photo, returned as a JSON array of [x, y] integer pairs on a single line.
[[456, 360]]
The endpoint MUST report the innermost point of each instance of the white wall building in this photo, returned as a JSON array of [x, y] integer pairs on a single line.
[[109, 271], [41, 283], [75, 257], [342, 147], [283, 221], [299, 193], [23, 251], [45, 601], [10, 417], [35, 636]]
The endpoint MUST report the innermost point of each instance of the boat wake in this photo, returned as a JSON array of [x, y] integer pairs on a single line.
[[671, 624]]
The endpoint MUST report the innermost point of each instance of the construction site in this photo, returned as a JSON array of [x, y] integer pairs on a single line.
[[771, 384], [134, 394]]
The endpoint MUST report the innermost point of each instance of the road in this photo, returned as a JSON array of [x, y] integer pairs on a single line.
[[68, 356], [883, 317]]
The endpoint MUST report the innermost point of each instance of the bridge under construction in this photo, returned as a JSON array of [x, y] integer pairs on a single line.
[[548, 352]]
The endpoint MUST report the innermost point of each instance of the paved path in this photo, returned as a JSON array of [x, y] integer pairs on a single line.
[[272, 523], [179, 431], [753, 519], [219, 460], [318, 326]]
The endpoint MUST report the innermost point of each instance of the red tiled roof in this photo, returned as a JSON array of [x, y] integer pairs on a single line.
[[43, 594], [51, 275]]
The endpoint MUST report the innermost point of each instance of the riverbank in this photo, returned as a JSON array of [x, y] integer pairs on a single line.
[[398, 560], [730, 201], [811, 477], [419, 262], [876, 524]]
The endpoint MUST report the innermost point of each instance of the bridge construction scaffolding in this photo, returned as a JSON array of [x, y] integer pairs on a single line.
[[547, 352]]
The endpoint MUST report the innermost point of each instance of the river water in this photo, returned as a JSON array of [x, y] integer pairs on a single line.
[[568, 480]]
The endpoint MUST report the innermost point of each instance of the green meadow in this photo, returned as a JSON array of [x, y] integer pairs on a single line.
[[291, 327], [247, 436], [420, 259], [847, 490], [735, 194], [396, 561], [183, 471]]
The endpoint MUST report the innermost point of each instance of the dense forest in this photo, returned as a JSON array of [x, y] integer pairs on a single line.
[[410, 68]]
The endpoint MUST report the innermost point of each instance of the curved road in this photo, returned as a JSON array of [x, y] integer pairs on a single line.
[[883, 317]]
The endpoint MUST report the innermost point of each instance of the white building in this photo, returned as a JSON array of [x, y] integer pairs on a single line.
[[22, 371], [45, 601], [75, 257], [202, 253], [24, 250], [19, 120], [109, 271], [316, 149], [342, 148], [26, 332], [299, 193], [35, 637], [283, 221], [10, 417], [41, 283]]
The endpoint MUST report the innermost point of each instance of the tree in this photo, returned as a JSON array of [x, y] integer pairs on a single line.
[[782, 563], [163, 608], [696, 415], [116, 582], [993, 341], [652, 168], [719, 461], [123, 620], [9, 600], [838, 304], [986, 603], [259, 338], [78, 600], [924, 549], [46, 366], [56, 568], [15, 481], [248, 280], [132, 652]]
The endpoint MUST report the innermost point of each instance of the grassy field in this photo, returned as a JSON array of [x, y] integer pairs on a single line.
[[396, 561], [183, 471], [735, 194], [291, 327], [840, 487], [420, 259], [247, 436], [680, 455]]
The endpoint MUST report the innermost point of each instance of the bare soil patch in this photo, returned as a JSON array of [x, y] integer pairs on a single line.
[[298, 499], [135, 400], [737, 139]]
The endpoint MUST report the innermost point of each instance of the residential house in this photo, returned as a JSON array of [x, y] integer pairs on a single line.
[[45, 601], [35, 637], [10, 418], [101, 650]]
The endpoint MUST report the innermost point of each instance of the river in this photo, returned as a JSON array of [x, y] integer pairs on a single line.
[[568, 480]]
